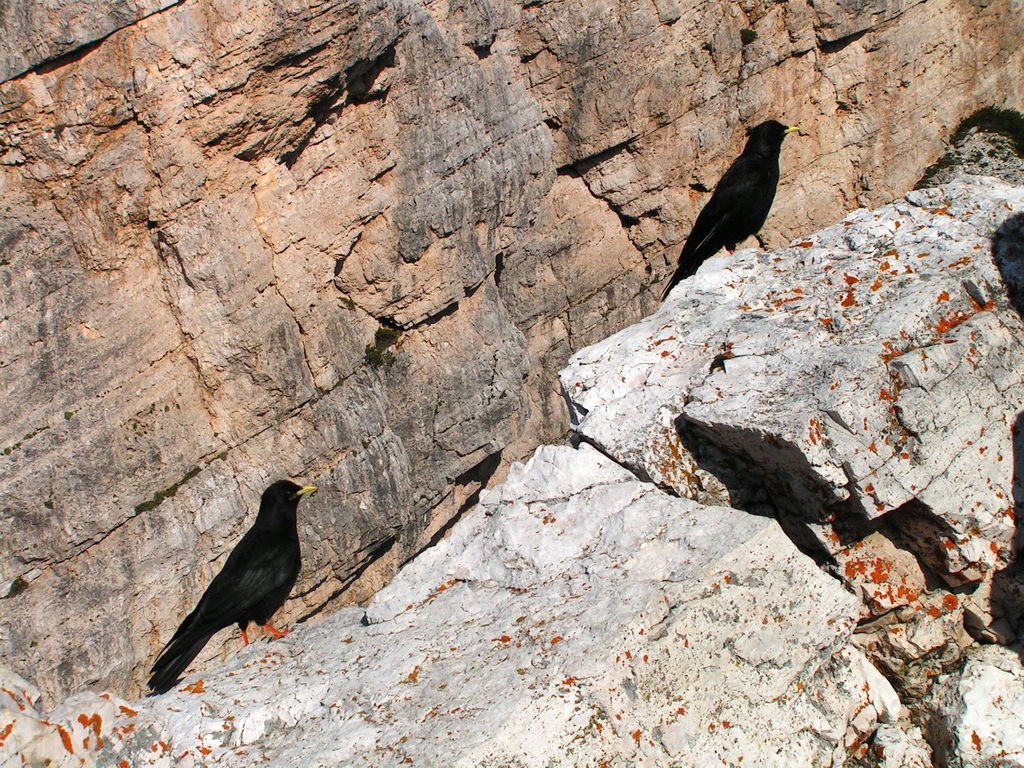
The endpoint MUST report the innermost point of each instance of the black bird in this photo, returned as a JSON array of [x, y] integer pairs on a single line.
[[740, 203], [254, 582]]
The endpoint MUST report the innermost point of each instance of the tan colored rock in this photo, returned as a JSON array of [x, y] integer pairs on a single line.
[[207, 212], [885, 576]]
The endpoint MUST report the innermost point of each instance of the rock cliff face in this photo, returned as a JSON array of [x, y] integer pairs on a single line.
[[208, 211], [580, 615]]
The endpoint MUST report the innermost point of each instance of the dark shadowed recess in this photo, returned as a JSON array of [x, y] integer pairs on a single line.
[[772, 477], [1008, 584], [357, 87], [479, 475]]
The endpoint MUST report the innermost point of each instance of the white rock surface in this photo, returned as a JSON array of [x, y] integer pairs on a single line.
[[71, 735], [875, 364], [577, 616], [896, 747], [978, 714]]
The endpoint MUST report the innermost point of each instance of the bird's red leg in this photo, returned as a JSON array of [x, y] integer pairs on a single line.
[[278, 634], [245, 637]]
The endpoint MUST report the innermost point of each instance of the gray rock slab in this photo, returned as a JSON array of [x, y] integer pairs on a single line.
[[871, 366], [576, 616], [976, 712]]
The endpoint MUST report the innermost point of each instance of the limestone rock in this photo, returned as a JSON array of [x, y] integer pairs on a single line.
[[576, 616], [208, 212], [835, 371], [864, 386], [976, 713], [893, 746], [71, 735], [36, 33]]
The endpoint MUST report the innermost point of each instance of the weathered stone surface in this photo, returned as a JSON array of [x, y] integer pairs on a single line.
[[837, 20], [70, 735], [580, 615], [574, 617], [34, 33], [863, 385], [207, 211], [893, 746], [837, 370], [976, 713]]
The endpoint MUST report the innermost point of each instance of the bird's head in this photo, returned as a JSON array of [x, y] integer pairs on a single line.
[[766, 138], [286, 491], [771, 132]]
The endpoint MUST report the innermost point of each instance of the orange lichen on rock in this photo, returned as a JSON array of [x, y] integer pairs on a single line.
[[879, 571], [17, 701], [94, 723], [65, 737]]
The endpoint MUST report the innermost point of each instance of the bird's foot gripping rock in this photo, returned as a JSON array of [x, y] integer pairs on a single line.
[[277, 633]]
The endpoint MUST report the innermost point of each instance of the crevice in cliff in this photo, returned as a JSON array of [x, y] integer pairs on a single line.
[[320, 111], [577, 168], [302, 333], [366, 558], [169, 251], [297, 58], [357, 87], [389, 321], [834, 46], [81, 51], [75, 54], [481, 50], [479, 475]]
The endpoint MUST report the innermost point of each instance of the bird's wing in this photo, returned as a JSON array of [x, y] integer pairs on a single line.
[[739, 188], [722, 221], [706, 237], [259, 564]]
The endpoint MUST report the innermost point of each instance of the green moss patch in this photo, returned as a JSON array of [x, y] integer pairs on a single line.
[[378, 353]]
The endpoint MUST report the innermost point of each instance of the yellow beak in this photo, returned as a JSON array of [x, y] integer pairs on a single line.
[[793, 129], [305, 489]]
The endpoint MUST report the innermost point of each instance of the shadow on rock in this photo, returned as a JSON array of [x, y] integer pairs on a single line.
[[1008, 255], [1007, 601], [1008, 585], [763, 475]]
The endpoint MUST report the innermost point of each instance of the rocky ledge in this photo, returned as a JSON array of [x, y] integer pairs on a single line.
[[783, 539]]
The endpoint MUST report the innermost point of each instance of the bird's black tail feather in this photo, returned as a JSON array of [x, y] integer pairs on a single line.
[[688, 265], [682, 272], [692, 256], [174, 659]]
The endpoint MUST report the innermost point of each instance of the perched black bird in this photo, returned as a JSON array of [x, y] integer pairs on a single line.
[[740, 202], [254, 582]]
